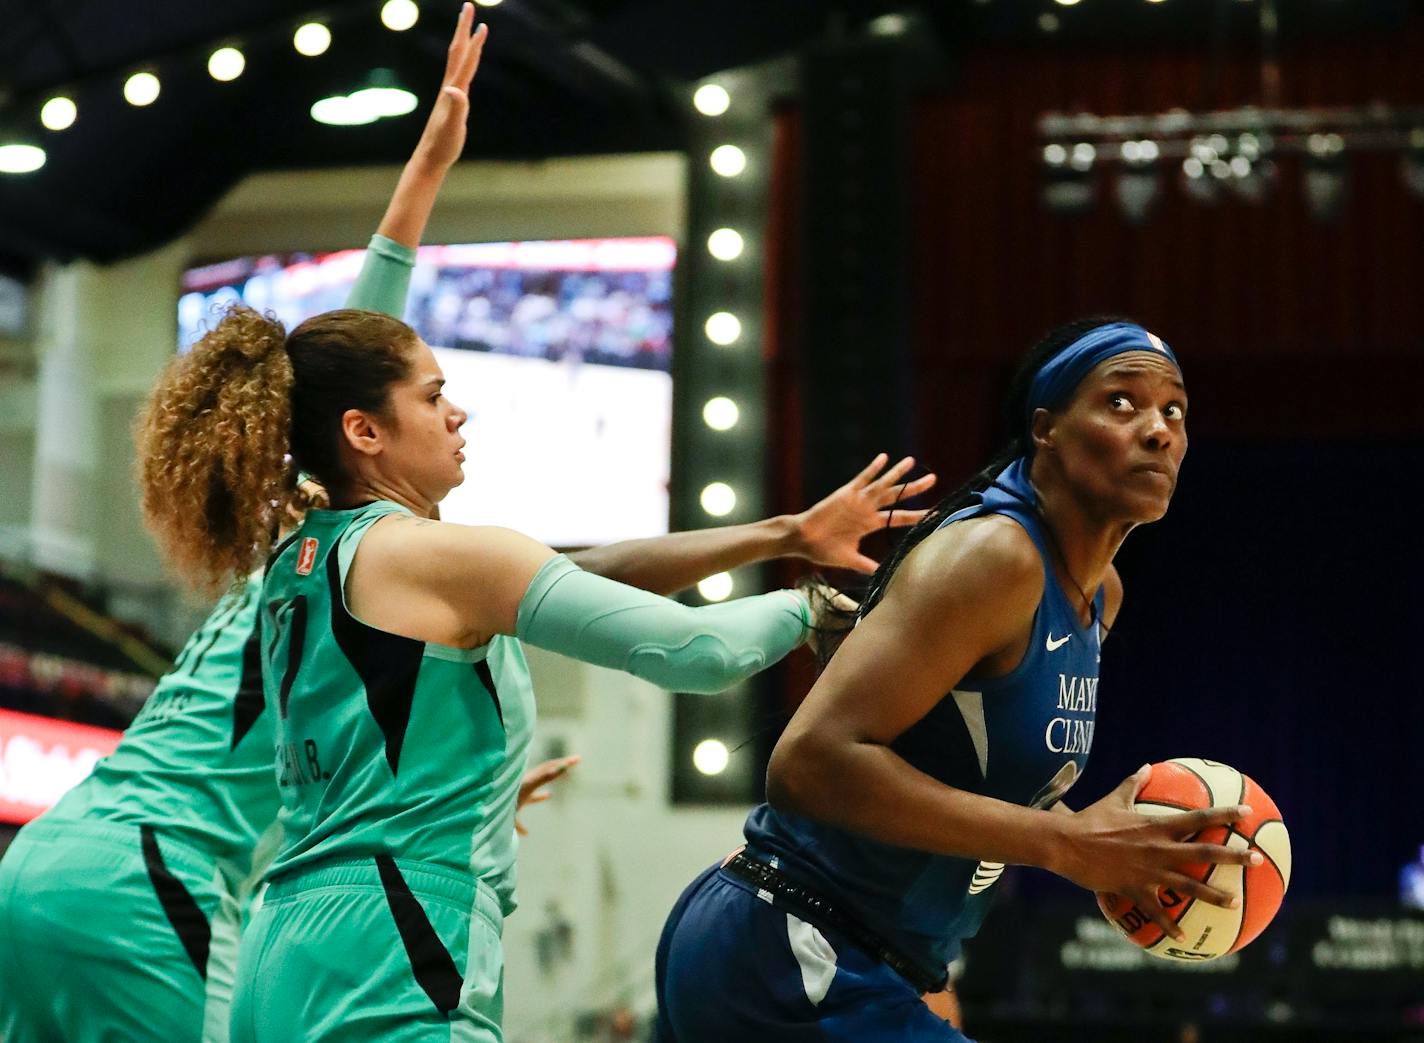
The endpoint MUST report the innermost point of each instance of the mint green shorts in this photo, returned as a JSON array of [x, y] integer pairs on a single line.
[[376, 949], [112, 932]]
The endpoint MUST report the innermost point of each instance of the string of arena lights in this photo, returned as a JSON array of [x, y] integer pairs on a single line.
[[727, 247], [719, 387], [1231, 152], [380, 97]]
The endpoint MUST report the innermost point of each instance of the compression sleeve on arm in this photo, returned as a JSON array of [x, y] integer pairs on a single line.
[[673, 646], [384, 279]]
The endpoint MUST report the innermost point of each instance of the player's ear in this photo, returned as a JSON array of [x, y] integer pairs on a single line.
[[361, 433], [1041, 430]]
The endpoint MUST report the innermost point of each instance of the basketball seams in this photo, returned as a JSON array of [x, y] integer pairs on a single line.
[[1112, 917], [1165, 804], [1190, 900], [1216, 911], [1206, 786], [1245, 890], [1196, 784], [1266, 855], [1160, 933], [1244, 875]]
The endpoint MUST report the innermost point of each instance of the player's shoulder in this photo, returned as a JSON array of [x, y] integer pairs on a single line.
[[992, 544], [434, 551], [990, 559]]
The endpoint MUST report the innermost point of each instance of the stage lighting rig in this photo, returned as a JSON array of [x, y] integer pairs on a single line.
[[1222, 154]]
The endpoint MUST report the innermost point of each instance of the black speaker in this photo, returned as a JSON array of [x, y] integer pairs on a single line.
[[855, 333]]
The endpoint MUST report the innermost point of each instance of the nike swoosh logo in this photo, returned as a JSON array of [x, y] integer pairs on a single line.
[[1053, 645]]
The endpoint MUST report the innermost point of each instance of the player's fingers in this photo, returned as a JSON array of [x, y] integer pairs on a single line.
[[519, 828], [1189, 887], [870, 470], [456, 95], [1190, 822], [552, 769], [862, 564], [1150, 905], [472, 57], [1129, 787], [1220, 854], [896, 518], [538, 797], [893, 476], [912, 489], [455, 54]]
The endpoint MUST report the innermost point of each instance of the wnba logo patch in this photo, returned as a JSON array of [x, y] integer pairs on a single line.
[[306, 558]]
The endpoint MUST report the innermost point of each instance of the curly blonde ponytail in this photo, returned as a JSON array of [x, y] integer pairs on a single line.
[[212, 446]]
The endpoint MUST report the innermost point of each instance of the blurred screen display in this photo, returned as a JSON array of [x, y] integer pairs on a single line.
[[43, 759], [560, 351]]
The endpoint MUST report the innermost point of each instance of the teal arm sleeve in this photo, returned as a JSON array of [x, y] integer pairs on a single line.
[[674, 646], [384, 280]]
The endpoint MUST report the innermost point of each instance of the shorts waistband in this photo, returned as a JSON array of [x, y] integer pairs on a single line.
[[775, 887], [125, 834], [423, 879]]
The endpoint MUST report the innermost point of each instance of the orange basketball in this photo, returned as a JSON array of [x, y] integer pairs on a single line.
[[1189, 784]]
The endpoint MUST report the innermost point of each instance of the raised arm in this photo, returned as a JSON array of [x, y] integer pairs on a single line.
[[384, 279], [461, 585], [443, 140], [828, 534], [964, 598]]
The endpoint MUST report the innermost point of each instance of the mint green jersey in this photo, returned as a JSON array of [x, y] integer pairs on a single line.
[[386, 746], [197, 761]]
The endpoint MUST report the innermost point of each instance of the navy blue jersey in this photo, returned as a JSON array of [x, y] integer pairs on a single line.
[[1023, 737]]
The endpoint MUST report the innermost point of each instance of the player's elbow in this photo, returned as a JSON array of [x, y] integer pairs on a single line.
[[703, 664], [795, 775]]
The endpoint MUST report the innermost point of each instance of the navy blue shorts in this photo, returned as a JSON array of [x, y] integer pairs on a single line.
[[732, 966]]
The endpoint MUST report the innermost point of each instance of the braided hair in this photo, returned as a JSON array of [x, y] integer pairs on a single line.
[[835, 624]]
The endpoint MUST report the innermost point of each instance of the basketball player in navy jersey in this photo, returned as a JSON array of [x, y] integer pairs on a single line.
[[937, 744]]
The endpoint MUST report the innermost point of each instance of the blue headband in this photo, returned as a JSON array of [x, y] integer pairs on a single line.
[[1059, 377]]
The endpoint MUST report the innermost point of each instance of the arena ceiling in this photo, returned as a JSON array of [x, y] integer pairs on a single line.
[[560, 77]]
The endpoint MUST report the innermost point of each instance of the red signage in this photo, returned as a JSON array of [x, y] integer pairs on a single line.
[[41, 759]]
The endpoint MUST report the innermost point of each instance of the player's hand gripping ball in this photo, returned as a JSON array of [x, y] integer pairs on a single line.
[[1189, 784]]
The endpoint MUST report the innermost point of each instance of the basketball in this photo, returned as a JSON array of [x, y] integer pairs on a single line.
[[1190, 784]]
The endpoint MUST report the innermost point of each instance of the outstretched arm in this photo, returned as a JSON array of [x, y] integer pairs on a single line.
[[827, 534], [442, 142], [461, 585], [385, 276]]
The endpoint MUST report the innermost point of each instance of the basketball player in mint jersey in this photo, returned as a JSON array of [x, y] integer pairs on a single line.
[[937, 744], [404, 711], [122, 904], [399, 696], [130, 891]]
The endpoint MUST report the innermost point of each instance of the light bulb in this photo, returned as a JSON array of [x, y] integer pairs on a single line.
[[312, 39]]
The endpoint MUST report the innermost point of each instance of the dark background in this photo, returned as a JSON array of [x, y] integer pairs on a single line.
[[1270, 620]]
